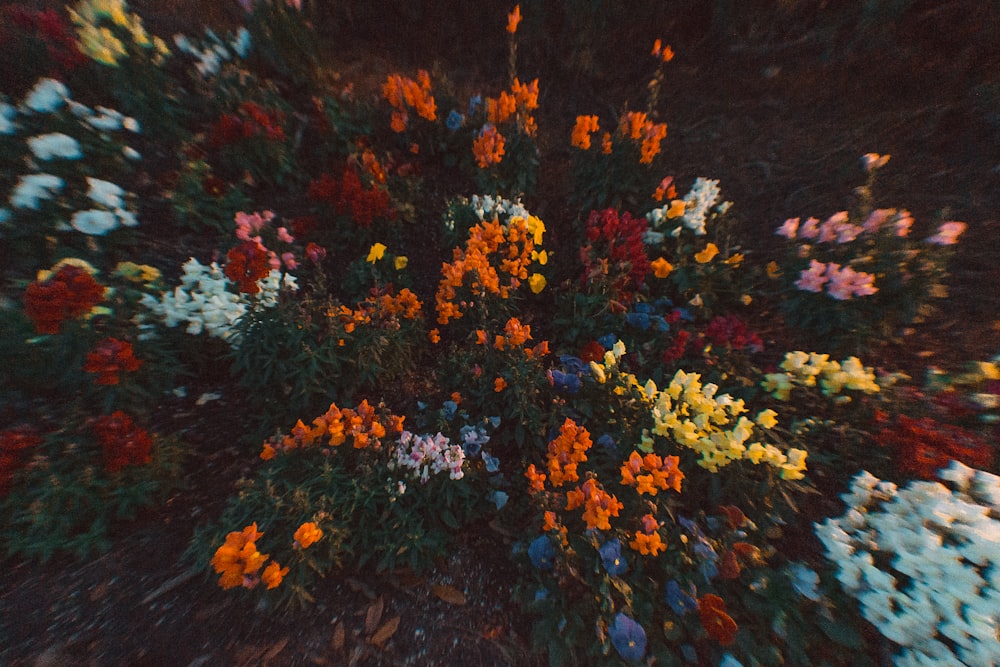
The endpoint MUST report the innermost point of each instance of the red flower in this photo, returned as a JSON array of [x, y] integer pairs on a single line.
[[71, 292], [123, 442], [923, 446], [246, 264], [14, 444], [592, 351], [617, 240], [110, 357], [717, 623]]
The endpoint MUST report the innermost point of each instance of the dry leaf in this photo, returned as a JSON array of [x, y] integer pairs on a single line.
[[449, 594], [339, 637], [386, 631], [374, 615]]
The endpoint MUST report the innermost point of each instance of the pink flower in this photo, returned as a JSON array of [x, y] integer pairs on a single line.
[[789, 229], [948, 233], [812, 279], [903, 223], [273, 260], [810, 229], [877, 218], [828, 230], [289, 260], [284, 236], [846, 282], [315, 252], [847, 233], [873, 161]]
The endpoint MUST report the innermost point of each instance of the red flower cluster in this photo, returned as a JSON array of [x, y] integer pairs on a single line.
[[676, 351], [123, 442], [923, 446], [14, 444], [250, 120], [616, 239], [731, 331], [18, 21], [109, 358], [246, 264], [349, 196], [68, 294]]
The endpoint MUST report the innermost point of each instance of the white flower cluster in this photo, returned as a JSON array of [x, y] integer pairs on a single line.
[[110, 207], [214, 51], [205, 301], [698, 203], [426, 455], [807, 369], [487, 207], [924, 563]]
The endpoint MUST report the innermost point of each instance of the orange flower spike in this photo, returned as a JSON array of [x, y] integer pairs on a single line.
[[585, 126], [536, 480], [396, 423], [667, 54], [526, 94], [273, 574], [606, 145], [574, 499], [513, 19], [549, 522]]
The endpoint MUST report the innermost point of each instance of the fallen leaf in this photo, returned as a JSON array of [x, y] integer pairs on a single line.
[[339, 636], [385, 632], [374, 615], [449, 594]]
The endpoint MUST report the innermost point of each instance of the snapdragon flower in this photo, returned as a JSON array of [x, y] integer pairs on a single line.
[[924, 563], [428, 455], [698, 203]]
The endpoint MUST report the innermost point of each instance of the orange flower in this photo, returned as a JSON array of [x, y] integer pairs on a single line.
[[238, 559], [499, 385], [648, 541], [480, 337], [536, 480], [706, 255], [652, 136], [549, 522], [585, 126], [273, 574], [717, 623], [661, 267], [513, 19], [307, 534], [434, 335], [268, 452], [457, 397], [665, 189], [488, 147], [606, 143], [676, 209], [566, 451]]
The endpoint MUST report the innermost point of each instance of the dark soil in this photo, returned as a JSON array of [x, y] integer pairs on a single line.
[[779, 119]]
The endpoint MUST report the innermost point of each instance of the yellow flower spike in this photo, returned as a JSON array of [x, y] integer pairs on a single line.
[[676, 209], [376, 253], [706, 255], [661, 267], [401, 262], [537, 282]]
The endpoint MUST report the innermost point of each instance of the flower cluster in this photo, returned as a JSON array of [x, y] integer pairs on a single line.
[[109, 358], [565, 453], [488, 147], [238, 561], [615, 250], [404, 94], [362, 427], [809, 369], [67, 293], [98, 41], [349, 196], [652, 473], [249, 121], [922, 561], [732, 332], [123, 442], [214, 51], [694, 211], [384, 311], [15, 443], [494, 261], [204, 301], [923, 446], [18, 21], [634, 126], [841, 283], [427, 455]]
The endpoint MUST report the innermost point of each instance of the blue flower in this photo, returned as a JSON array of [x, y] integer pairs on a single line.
[[643, 307], [492, 462], [628, 638], [705, 550], [608, 341], [448, 409], [607, 442], [640, 320], [729, 661], [499, 498], [611, 556], [678, 600], [542, 553], [541, 594], [572, 364], [454, 121], [475, 102], [660, 324], [566, 382], [804, 581]]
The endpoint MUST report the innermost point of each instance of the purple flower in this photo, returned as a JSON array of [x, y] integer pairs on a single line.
[[678, 600], [611, 556], [628, 638], [542, 553]]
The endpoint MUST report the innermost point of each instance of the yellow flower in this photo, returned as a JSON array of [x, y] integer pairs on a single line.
[[735, 260], [766, 418], [676, 209], [746, 299], [376, 253], [537, 282], [401, 262], [307, 534], [772, 270], [661, 268], [540, 257], [707, 254], [536, 228], [598, 372]]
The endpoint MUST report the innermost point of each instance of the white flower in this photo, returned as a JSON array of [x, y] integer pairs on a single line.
[[698, 202], [131, 153], [241, 43], [105, 193], [130, 124], [109, 120], [94, 222], [7, 116], [33, 188], [47, 96]]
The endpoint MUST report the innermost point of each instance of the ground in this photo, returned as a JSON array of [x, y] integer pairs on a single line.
[[781, 124]]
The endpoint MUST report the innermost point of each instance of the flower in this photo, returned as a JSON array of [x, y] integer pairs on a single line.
[[55, 145], [717, 623], [273, 574], [661, 267], [706, 255], [375, 253], [499, 385], [948, 233], [34, 188], [584, 127], [678, 600], [813, 278], [536, 283], [47, 96], [488, 147], [400, 262], [628, 638], [123, 443], [542, 553], [68, 294], [513, 19], [873, 161], [611, 557], [238, 559], [110, 357], [789, 229], [94, 222], [307, 534]]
